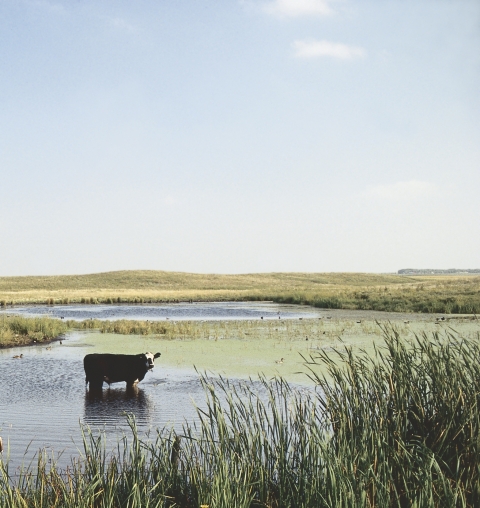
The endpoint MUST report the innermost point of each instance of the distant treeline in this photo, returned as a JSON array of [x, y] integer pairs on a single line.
[[428, 271]]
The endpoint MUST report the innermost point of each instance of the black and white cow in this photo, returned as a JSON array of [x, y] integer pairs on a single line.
[[113, 368]]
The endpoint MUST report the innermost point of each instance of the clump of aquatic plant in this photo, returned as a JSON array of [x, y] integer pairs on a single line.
[[399, 428], [135, 474], [18, 330], [405, 422], [121, 326]]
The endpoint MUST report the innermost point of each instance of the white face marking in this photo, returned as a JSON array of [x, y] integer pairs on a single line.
[[149, 363]]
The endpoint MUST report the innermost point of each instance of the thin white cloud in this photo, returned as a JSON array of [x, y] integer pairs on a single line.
[[44, 4], [170, 201], [297, 8], [121, 24], [402, 191], [308, 49]]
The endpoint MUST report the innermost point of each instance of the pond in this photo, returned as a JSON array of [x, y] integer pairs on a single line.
[[172, 311], [43, 398]]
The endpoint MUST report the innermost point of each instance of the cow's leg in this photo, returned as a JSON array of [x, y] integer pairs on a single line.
[[95, 383], [131, 383]]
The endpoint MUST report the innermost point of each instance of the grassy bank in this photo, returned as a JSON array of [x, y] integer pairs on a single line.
[[20, 331], [446, 294], [399, 428]]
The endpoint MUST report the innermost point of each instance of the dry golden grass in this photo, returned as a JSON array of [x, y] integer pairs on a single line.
[[149, 282], [449, 294]]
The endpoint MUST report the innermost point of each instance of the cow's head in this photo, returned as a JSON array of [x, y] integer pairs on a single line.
[[149, 359]]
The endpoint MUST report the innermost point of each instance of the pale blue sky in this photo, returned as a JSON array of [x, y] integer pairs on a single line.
[[239, 136]]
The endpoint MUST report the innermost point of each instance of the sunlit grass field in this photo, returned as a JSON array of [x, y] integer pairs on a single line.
[[386, 292]]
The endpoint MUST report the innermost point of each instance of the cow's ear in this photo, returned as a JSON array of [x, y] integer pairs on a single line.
[[157, 355]]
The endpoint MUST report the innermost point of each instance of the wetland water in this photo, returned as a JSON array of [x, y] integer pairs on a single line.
[[174, 311], [43, 398]]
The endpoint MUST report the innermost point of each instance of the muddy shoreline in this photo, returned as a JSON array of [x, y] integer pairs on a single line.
[[31, 342]]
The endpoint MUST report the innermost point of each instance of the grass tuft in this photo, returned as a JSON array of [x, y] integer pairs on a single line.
[[20, 331]]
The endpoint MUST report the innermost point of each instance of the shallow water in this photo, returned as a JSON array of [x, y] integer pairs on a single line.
[[174, 311], [44, 400]]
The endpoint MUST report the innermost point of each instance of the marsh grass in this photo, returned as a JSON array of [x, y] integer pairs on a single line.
[[217, 329], [387, 292], [395, 429], [19, 331], [309, 329]]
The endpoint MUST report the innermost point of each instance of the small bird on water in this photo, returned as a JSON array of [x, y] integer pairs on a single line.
[[19, 356], [279, 361]]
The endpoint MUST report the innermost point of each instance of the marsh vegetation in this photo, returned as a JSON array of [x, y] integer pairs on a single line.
[[21, 331], [392, 423], [398, 427], [397, 293]]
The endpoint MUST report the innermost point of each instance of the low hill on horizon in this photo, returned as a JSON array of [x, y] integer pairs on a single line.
[[159, 279], [387, 292]]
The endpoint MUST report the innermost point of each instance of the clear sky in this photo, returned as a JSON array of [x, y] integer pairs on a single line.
[[238, 136]]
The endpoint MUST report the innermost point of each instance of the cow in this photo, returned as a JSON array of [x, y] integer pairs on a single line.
[[113, 368]]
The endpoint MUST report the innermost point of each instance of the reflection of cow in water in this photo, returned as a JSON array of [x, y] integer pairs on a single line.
[[116, 368], [110, 407]]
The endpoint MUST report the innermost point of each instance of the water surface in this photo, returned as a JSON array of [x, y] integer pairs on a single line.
[[174, 311], [44, 399]]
